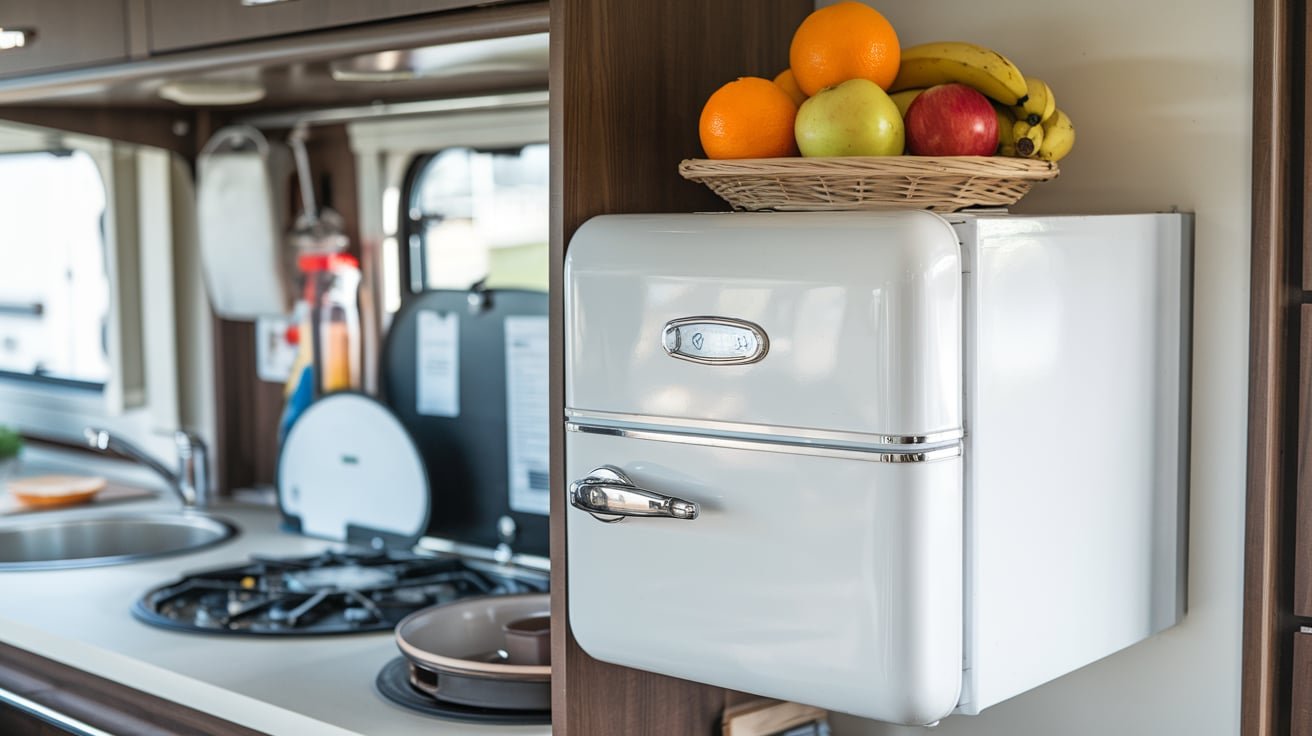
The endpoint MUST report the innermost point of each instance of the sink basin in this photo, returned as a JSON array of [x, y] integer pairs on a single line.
[[46, 544]]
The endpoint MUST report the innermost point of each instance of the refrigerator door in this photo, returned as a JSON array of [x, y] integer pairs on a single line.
[[837, 327], [831, 578]]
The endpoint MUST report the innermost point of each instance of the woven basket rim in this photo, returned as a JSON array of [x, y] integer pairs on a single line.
[[973, 166]]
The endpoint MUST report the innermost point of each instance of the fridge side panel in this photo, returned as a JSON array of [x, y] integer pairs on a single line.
[[1077, 443]]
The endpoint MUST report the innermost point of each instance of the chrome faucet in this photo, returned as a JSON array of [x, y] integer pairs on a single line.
[[191, 482]]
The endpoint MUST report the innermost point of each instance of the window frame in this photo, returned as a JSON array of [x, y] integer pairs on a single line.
[[412, 259], [37, 310], [393, 153], [412, 230], [140, 398], [385, 150]]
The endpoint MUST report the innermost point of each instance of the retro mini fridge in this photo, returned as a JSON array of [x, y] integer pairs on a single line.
[[898, 465]]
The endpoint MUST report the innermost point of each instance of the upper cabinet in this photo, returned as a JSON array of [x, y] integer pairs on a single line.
[[183, 24], [58, 34]]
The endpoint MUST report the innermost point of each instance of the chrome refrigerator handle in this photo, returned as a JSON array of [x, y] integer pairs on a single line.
[[610, 496]]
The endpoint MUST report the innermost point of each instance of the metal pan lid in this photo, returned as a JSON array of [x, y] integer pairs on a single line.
[[453, 637]]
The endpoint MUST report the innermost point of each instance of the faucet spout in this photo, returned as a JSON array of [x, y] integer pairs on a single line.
[[191, 482], [98, 439]]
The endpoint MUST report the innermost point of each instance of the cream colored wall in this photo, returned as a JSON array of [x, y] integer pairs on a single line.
[[1160, 93]]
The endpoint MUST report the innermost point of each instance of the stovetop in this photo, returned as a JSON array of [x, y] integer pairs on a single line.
[[331, 593]]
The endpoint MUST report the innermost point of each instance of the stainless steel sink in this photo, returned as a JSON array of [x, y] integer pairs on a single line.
[[46, 544]]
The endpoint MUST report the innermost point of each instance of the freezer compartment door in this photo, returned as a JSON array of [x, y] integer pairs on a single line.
[[831, 327], [832, 580]]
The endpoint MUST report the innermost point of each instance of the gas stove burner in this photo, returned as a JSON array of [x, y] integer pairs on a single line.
[[393, 683], [331, 593]]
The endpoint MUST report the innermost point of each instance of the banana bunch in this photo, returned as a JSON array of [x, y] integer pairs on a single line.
[[1029, 123], [1058, 137], [1017, 137], [1039, 104], [942, 62]]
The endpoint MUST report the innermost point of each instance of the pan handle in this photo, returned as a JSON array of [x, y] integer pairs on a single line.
[[610, 496], [425, 680]]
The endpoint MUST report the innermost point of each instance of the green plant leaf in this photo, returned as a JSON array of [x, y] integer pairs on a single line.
[[11, 443]]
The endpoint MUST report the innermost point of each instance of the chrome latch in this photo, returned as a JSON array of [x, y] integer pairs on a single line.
[[610, 496]]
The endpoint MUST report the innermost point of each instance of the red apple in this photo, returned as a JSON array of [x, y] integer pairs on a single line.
[[951, 120]]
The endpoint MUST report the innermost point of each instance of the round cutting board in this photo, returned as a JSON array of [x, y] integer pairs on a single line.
[[348, 471]]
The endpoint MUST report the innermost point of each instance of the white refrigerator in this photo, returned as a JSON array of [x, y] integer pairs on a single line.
[[898, 465]]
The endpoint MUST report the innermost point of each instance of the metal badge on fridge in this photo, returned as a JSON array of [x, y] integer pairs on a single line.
[[715, 340]]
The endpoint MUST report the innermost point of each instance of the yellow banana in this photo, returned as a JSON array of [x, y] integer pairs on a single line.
[[1058, 137], [1039, 103], [1006, 134], [957, 61], [904, 99], [1027, 138]]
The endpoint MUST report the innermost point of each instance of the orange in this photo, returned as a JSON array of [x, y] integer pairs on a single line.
[[785, 81], [841, 42], [748, 118]]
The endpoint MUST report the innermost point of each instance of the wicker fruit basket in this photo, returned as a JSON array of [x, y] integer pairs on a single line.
[[942, 184]]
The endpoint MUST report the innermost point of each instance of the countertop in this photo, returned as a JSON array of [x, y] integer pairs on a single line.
[[316, 685]]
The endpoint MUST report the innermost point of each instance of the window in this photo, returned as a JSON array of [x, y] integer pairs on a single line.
[[102, 305], [479, 216], [54, 289]]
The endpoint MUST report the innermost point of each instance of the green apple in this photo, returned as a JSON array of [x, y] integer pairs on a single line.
[[855, 118]]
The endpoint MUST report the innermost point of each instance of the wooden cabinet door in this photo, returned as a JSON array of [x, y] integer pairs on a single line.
[[1300, 721], [62, 34], [1303, 534], [181, 24]]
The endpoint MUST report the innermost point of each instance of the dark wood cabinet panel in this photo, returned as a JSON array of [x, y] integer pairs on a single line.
[[182, 24], [63, 34], [628, 80], [1278, 60], [1301, 84], [96, 702], [14, 722], [1300, 720], [1303, 536]]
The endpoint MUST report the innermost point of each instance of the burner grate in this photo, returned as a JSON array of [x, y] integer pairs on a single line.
[[335, 592]]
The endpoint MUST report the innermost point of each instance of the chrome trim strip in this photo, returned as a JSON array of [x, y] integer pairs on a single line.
[[872, 454], [332, 116], [473, 551], [762, 432], [48, 715]]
